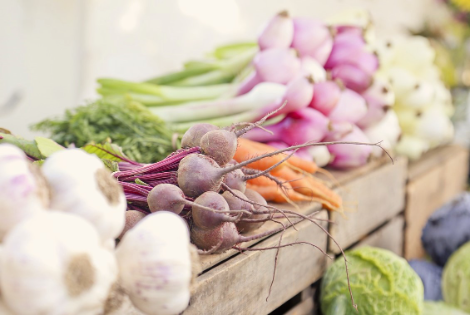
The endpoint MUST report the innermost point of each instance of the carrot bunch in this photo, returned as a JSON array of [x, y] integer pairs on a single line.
[[295, 175]]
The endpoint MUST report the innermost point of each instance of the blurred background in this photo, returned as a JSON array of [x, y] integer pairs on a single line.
[[52, 51]]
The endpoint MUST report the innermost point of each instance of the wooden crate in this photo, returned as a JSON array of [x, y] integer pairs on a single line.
[[234, 283], [433, 180], [389, 236], [379, 192], [241, 284]]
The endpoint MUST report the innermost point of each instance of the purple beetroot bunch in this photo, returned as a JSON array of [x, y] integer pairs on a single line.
[[342, 102]]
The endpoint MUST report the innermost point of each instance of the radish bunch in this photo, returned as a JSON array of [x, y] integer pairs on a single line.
[[346, 104]]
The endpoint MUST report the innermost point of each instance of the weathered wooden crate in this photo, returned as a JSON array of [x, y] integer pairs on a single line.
[[433, 180], [378, 191], [238, 283], [389, 236]]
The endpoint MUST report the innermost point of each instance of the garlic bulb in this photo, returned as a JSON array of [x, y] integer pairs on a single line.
[[81, 185], [22, 191], [155, 264], [53, 263]]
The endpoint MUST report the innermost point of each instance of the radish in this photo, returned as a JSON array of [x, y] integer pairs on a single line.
[[345, 156], [319, 154], [351, 107], [310, 67], [301, 126], [326, 96], [312, 38], [278, 32], [272, 65]]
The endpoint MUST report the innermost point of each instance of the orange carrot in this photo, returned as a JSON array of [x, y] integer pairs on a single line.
[[312, 187], [274, 193], [248, 149]]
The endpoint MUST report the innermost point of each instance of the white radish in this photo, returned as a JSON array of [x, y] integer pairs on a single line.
[[53, 263], [155, 265]]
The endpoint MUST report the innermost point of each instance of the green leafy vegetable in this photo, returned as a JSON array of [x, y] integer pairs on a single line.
[[28, 146], [382, 283], [440, 308], [456, 279], [142, 136], [47, 146]]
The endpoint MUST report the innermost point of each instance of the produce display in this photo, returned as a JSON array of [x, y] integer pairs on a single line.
[[383, 283], [110, 214]]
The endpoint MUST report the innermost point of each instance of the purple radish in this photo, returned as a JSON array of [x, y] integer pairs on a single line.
[[301, 126], [298, 95], [350, 62], [278, 32], [346, 156], [338, 130], [205, 219], [312, 38], [246, 226], [272, 65], [326, 96], [220, 145], [235, 180], [351, 107], [192, 136], [379, 98], [168, 197]]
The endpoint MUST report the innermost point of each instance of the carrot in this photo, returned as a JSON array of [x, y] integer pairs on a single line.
[[310, 186], [261, 181], [274, 193], [248, 149]]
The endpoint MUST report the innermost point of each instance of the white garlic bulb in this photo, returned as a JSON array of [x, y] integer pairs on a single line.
[[154, 262], [21, 192], [54, 263], [80, 184]]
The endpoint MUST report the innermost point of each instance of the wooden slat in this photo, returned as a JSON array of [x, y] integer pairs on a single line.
[[341, 179], [390, 236], [379, 196], [305, 307], [433, 183], [240, 285]]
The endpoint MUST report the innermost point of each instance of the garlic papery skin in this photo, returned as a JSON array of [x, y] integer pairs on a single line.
[[80, 184], [54, 263], [21, 195], [154, 262]]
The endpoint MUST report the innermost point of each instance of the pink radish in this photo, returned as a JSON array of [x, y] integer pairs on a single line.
[[312, 38], [272, 65], [278, 33], [351, 107], [326, 96], [379, 98], [346, 156]]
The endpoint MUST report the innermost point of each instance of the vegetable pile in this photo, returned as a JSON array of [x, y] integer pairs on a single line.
[[59, 225]]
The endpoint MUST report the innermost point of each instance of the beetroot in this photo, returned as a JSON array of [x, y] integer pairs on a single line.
[[205, 219], [192, 137], [246, 226]]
